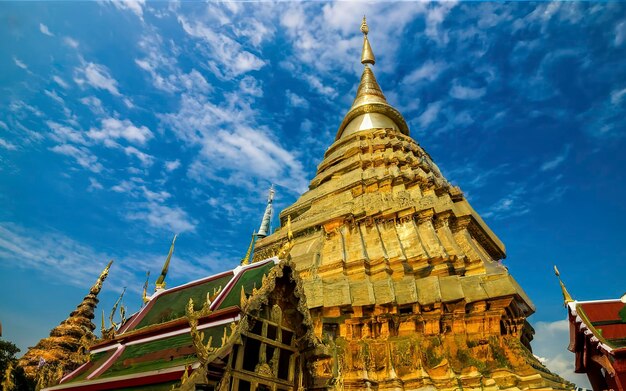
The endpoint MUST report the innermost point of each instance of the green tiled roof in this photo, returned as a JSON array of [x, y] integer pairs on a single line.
[[96, 359], [248, 279], [160, 354], [171, 305]]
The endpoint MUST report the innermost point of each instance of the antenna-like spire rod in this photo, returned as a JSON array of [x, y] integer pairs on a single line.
[[246, 258], [264, 230], [160, 282], [144, 295], [367, 55], [567, 298]]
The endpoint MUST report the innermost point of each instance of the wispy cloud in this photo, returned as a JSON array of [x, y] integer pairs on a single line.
[[226, 53], [71, 42], [428, 71], [557, 160], [459, 91], [549, 345], [20, 63], [511, 205], [295, 100], [7, 145], [172, 165], [158, 215], [135, 6], [45, 30], [60, 81], [429, 115], [82, 155], [97, 76], [113, 129]]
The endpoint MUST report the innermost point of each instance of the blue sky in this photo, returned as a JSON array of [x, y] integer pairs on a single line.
[[122, 123]]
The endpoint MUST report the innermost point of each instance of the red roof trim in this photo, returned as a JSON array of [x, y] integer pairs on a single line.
[[131, 382]]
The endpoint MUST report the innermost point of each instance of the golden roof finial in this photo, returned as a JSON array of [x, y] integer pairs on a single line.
[[144, 296], [95, 289], [246, 258], [160, 282], [367, 55], [567, 298]]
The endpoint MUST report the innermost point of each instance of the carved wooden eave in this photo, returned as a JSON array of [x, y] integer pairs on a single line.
[[249, 305]]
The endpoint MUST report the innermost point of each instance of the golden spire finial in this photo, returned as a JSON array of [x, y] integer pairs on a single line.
[[160, 282], [367, 55], [144, 296], [246, 258], [567, 298], [364, 28], [370, 109], [95, 289]]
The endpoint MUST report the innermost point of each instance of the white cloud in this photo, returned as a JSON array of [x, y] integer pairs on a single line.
[[172, 165], [64, 134], [317, 85], [82, 155], [45, 30], [430, 114], [557, 160], [113, 129], [511, 205], [54, 96], [94, 185], [145, 159], [60, 81], [135, 6], [429, 71], [466, 93], [19, 63], [550, 344], [71, 42], [226, 53], [52, 254], [94, 104], [97, 76], [160, 216], [295, 100], [250, 86], [232, 144], [160, 62], [7, 145], [620, 33], [617, 96]]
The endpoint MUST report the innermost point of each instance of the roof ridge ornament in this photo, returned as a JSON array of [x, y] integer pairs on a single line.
[[160, 282], [567, 298]]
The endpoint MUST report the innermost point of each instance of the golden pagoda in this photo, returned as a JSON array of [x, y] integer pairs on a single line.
[[381, 277], [67, 346], [403, 279]]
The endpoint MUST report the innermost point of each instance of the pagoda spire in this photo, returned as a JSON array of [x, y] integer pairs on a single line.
[[265, 228], [370, 108], [160, 282], [58, 351], [567, 298]]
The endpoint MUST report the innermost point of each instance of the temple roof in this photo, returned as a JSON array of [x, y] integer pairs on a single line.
[[603, 321], [155, 345]]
